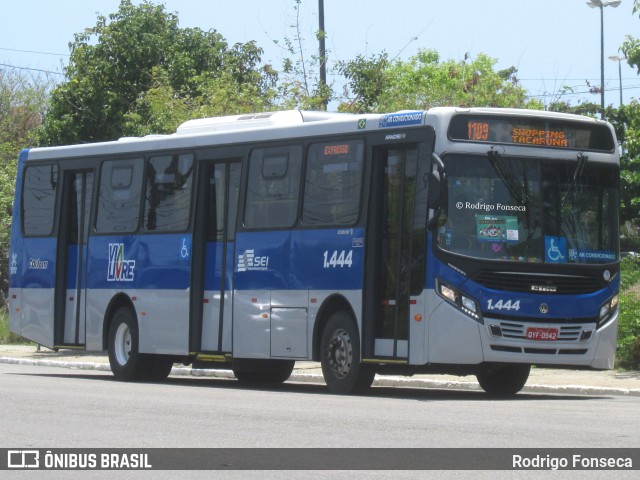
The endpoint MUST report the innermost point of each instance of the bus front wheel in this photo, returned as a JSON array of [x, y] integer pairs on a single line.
[[340, 357], [503, 380]]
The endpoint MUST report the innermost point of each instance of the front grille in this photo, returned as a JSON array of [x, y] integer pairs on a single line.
[[535, 320], [540, 351], [568, 333], [513, 336], [545, 284]]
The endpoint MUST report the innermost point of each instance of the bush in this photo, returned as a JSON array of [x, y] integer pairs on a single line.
[[6, 337], [628, 353]]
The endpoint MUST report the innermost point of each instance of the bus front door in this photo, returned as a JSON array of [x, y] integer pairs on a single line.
[[71, 274], [396, 246], [214, 238]]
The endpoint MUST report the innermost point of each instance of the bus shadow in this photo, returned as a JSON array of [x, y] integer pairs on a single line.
[[405, 393]]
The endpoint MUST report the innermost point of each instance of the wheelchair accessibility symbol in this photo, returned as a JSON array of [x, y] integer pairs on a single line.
[[184, 250], [555, 249]]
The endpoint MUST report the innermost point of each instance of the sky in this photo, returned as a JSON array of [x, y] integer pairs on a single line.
[[551, 42]]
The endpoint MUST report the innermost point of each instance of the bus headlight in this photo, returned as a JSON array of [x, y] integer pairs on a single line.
[[607, 309], [462, 302]]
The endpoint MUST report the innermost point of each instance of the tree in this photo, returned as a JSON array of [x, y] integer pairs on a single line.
[[626, 121], [22, 102], [424, 81], [300, 85], [126, 63], [631, 46]]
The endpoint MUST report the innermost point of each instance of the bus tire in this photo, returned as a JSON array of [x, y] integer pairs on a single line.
[[262, 372], [340, 356], [127, 364], [503, 380], [158, 367]]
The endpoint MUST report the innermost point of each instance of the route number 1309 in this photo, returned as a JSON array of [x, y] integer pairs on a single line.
[[338, 259]]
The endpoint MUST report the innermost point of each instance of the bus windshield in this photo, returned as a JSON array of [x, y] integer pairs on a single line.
[[530, 210]]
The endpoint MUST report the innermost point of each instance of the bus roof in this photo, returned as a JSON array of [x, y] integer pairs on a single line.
[[228, 130]]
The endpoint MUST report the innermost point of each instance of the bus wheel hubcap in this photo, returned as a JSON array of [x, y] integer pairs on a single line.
[[340, 353], [123, 344]]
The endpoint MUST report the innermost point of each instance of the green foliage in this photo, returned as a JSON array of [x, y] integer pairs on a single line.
[[424, 81], [127, 72], [631, 46], [6, 337], [299, 83], [626, 121], [22, 101], [628, 353]]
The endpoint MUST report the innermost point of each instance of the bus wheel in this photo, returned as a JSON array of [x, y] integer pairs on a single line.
[[503, 380], [158, 367], [340, 356], [262, 372], [126, 363]]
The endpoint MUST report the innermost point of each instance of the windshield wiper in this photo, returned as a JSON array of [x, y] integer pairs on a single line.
[[582, 162], [577, 173], [507, 175]]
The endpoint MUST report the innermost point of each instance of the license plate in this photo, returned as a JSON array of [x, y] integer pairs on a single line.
[[543, 334]]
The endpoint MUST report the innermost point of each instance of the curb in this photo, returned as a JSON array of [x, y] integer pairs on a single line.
[[386, 381]]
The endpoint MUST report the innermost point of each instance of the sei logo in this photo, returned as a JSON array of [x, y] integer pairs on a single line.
[[338, 259], [250, 261]]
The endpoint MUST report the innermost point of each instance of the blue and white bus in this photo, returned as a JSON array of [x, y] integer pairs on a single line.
[[465, 241]]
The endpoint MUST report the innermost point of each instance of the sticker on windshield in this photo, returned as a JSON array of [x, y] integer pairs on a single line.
[[591, 256], [555, 249], [497, 228]]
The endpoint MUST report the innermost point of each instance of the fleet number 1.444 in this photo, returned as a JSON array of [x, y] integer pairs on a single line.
[[503, 305], [338, 259]]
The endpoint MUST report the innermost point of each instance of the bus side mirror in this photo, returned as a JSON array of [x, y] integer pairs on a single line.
[[437, 196]]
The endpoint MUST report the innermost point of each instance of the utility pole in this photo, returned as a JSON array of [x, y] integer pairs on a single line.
[[323, 51]]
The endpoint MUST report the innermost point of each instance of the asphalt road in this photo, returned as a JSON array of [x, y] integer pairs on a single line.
[[44, 407]]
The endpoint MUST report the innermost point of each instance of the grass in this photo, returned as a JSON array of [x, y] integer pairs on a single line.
[[6, 337]]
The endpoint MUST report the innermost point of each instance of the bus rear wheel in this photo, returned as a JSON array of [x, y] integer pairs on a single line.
[[340, 357], [503, 380]]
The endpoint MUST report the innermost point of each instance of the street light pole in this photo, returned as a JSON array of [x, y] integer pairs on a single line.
[[618, 59], [600, 4]]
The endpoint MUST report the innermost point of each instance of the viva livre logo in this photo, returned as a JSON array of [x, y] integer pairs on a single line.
[[120, 270]]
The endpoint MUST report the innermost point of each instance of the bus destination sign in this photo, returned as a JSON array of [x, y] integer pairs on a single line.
[[531, 132]]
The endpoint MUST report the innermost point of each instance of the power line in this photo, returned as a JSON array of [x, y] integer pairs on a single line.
[[28, 68], [34, 51], [564, 94]]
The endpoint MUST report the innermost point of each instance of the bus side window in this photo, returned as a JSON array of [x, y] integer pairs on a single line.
[[333, 183], [120, 196], [168, 196], [39, 199], [274, 187]]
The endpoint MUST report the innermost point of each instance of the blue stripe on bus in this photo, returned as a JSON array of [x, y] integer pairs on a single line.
[[147, 261], [328, 259]]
